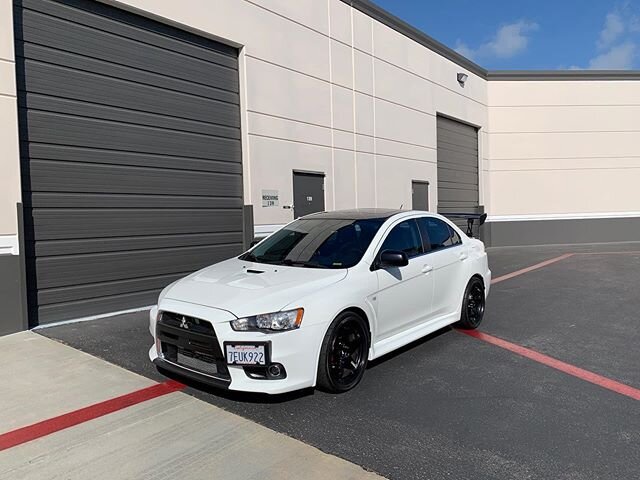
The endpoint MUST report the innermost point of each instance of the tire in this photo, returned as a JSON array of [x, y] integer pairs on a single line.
[[473, 305], [344, 353]]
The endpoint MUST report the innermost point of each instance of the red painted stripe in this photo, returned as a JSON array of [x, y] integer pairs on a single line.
[[586, 375], [531, 268], [630, 252], [70, 419]]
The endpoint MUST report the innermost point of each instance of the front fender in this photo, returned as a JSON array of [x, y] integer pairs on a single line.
[[322, 307]]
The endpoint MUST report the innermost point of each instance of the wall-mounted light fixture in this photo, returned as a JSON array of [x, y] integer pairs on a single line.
[[462, 78]]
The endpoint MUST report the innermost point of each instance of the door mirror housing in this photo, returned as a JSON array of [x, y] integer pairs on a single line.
[[393, 258]]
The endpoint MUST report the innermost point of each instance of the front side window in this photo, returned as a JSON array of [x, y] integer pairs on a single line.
[[317, 243], [440, 234], [404, 237]]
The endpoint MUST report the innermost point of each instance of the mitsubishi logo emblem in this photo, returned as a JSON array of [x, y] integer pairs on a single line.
[[184, 323]]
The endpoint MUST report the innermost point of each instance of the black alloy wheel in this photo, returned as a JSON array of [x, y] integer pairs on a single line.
[[473, 305], [344, 353]]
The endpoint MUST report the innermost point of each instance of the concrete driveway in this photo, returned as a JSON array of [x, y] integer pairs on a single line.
[[550, 390]]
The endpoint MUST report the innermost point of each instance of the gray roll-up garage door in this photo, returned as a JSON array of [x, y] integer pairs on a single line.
[[130, 146], [457, 168]]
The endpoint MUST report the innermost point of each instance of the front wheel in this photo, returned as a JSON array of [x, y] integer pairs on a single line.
[[472, 305], [344, 352]]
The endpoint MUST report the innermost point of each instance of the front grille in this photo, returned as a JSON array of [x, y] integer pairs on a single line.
[[190, 323], [191, 342]]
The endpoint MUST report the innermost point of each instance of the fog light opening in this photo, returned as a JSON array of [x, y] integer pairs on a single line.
[[274, 370]]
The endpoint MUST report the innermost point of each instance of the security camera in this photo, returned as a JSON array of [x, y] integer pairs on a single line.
[[462, 78]]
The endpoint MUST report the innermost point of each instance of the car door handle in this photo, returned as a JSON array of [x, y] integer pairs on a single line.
[[427, 269], [463, 256]]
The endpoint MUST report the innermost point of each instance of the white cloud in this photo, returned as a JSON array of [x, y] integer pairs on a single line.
[[614, 27], [508, 41], [620, 57], [464, 50], [617, 43]]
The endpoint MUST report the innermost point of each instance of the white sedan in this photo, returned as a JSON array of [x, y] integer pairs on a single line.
[[313, 302]]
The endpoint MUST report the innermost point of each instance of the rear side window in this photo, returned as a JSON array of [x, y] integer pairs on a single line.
[[438, 233], [455, 238], [404, 237]]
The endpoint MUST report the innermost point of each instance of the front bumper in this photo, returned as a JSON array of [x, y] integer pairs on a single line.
[[189, 373], [296, 350]]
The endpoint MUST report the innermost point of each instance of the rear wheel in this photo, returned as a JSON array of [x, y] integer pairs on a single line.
[[344, 352], [472, 305]]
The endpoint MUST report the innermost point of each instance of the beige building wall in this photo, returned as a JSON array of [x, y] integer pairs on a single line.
[[10, 192], [328, 89], [564, 149]]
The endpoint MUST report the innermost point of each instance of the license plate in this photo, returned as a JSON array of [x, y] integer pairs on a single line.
[[246, 355]]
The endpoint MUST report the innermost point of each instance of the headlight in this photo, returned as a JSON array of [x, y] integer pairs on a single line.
[[270, 322]]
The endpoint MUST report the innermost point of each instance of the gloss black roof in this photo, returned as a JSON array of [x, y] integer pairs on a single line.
[[355, 214]]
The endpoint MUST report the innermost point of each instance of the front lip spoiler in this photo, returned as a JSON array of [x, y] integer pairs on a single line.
[[192, 374]]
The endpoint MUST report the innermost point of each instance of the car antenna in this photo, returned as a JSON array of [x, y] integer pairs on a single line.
[[401, 205]]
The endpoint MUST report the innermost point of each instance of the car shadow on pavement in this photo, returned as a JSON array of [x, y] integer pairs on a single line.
[[407, 347], [246, 397], [198, 388]]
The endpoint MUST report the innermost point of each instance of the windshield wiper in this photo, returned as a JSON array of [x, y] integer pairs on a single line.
[[249, 257], [288, 261]]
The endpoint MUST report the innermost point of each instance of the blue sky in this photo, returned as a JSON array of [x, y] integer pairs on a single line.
[[531, 34]]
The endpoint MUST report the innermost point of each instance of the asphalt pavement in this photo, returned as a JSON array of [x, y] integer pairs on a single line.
[[452, 406]]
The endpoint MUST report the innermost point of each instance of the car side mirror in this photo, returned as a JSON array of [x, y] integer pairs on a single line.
[[393, 258], [254, 243]]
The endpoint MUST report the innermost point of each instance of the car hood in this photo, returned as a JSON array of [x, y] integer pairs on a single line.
[[247, 288]]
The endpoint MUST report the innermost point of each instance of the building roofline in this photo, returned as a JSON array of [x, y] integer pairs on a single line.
[[378, 13], [383, 16], [515, 75]]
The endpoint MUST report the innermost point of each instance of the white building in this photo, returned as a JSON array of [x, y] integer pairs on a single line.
[[143, 139]]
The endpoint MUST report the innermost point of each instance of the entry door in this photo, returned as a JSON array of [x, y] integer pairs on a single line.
[[404, 295], [308, 193], [420, 195]]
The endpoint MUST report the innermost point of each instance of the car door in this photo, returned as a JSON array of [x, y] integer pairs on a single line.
[[447, 255], [404, 294]]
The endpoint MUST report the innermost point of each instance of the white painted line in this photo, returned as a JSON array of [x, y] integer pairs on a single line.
[[93, 317], [9, 245]]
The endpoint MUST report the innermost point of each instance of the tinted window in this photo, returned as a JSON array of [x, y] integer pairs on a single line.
[[455, 238], [439, 233], [404, 237], [319, 243]]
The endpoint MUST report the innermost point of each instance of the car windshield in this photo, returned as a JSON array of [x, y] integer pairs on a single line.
[[317, 243]]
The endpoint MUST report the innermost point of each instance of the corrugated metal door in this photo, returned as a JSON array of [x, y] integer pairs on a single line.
[[130, 145], [457, 168]]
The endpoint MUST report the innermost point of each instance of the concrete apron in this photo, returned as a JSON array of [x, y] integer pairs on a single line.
[[171, 436]]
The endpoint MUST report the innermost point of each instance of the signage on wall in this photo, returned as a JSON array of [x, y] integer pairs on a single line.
[[270, 198]]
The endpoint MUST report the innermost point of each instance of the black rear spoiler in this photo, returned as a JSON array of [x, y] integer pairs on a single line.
[[471, 218]]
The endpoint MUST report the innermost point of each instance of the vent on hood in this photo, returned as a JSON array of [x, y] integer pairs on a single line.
[[254, 271]]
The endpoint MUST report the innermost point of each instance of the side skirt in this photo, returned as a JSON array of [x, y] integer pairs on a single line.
[[401, 339]]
